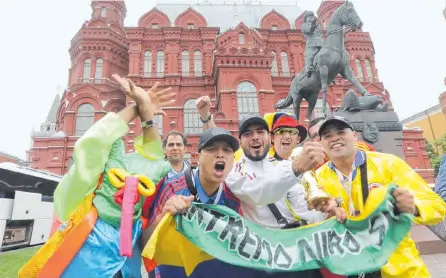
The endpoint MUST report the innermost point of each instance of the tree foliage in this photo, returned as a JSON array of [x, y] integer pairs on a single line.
[[436, 150]]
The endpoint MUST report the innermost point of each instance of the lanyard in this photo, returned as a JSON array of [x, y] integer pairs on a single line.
[[220, 190], [347, 184]]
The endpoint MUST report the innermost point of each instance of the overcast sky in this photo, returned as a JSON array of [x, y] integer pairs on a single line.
[[409, 38]]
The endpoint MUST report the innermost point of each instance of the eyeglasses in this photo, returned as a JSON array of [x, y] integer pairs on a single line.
[[282, 131]]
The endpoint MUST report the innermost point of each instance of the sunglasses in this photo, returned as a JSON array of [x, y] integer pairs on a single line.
[[282, 131]]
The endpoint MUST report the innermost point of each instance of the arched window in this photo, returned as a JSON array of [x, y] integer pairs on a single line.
[[285, 65], [192, 123], [84, 118], [98, 72], [289, 109], [241, 38], [103, 12], [247, 101], [148, 63], [359, 68], [185, 63], [87, 70], [198, 66], [159, 123], [160, 64], [274, 69], [317, 111], [368, 68]]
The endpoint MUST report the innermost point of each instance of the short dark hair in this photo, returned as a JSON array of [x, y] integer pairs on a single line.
[[174, 133], [315, 122]]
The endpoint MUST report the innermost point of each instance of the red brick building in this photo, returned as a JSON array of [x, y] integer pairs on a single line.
[[4, 157], [243, 56]]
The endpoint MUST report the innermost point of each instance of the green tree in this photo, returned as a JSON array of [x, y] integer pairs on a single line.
[[436, 150]]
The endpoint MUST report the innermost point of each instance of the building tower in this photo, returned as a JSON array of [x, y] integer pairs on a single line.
[[98, 50]]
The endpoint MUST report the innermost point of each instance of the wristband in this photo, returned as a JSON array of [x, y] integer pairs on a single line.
[[207, 120], [147, 124]]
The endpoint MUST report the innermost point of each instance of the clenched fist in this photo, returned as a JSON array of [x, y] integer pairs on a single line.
[[177, 204], [311, 156], [331, 208], [405, 201], [203, 105]]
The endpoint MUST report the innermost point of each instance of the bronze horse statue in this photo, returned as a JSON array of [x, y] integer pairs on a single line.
[[331, 60]]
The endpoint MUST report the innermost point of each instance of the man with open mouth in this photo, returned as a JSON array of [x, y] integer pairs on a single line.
[[206, 185], [259, 179]]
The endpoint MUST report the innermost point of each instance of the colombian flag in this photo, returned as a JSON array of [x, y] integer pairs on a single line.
[[175, 249]]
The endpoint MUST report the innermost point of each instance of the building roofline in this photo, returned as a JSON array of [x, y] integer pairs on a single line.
[[11, 156], [221, 3], [418, 116]]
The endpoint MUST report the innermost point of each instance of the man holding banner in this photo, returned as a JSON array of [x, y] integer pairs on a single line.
[[254, 179], [351, 174], [204, 185], [209, 232]]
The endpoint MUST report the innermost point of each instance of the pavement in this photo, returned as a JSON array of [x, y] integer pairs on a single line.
[[435, 263]]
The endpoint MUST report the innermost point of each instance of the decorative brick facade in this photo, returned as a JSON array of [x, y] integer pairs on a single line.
[[243, 69]]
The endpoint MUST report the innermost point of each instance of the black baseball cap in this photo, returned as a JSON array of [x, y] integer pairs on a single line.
[[251, 120], [217, 134], [333, 120]]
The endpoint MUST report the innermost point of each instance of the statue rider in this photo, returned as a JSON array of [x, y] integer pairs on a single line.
[[313, 36]]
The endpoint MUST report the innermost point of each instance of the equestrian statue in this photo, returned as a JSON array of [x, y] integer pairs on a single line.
[[324, 60]]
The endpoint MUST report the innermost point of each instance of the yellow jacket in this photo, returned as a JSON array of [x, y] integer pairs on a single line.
[[383, 169]]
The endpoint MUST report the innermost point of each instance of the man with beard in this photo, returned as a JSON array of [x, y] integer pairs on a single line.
[[174, 147]]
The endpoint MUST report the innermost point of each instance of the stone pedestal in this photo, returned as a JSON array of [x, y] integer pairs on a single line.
[[380, 129]]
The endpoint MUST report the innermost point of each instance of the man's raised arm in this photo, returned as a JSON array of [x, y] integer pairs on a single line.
[[203, 105]]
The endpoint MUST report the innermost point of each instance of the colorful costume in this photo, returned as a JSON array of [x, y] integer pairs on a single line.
[[99, 202]]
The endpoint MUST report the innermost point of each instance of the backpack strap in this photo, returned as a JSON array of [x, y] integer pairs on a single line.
[[189, 181], [364, 179], [279, 217]]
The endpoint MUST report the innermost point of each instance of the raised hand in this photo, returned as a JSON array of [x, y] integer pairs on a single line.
[[203, 105], [177, 204], [311, 156], [150, 99]]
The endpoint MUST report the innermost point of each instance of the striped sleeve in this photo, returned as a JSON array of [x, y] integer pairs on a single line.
[[232, 201], [171, 188], [149, 201]]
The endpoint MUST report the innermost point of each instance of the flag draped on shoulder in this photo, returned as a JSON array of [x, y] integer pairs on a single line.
[[206, 232]]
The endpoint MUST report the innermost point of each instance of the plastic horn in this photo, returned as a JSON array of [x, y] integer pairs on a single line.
[[314, 193], [128, 204]]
